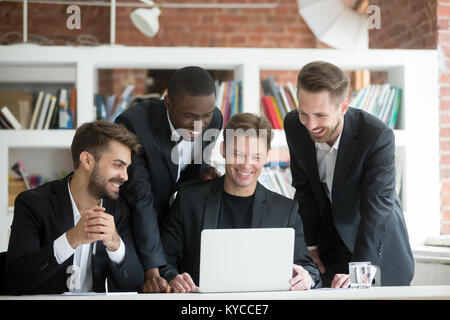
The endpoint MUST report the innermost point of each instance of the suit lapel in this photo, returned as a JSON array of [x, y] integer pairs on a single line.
[[259, 207], [162, 132], [309, 154], [213, 203], [62, 206], [346, 152]]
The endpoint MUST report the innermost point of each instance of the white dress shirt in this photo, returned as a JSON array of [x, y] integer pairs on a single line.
[[82, 260], [187, 150], [326, 162]]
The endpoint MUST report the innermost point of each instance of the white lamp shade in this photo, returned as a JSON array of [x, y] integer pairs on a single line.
[[146, 20], [335, 24]]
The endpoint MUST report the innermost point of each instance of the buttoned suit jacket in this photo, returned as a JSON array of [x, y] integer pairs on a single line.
[[365, 210]]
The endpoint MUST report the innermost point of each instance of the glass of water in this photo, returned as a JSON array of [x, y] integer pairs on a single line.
[[361, 274]]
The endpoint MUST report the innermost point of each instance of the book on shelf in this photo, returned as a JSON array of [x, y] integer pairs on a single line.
[[73, 107], [49, 115], [277, 112], [122, 103], [381, 100], [271, 89], [65, 116], [10, 118], [4, 124], [106, 107], [229, 98], [283, 98], [41, 110], [293, 94], [19, 104], [37, 108], [270, 112]]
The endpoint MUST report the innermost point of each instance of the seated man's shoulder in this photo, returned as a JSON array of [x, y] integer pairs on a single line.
[[278, 199], [38, 193]]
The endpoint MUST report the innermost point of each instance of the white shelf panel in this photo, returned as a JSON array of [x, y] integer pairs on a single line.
[[118, 56], [36, 138], [37, 74], [400, 137]]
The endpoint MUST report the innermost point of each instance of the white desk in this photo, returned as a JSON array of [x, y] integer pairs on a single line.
[[375, 293]]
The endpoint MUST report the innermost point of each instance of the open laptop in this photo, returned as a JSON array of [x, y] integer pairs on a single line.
[[233, 260]]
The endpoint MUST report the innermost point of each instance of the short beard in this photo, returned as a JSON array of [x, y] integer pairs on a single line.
[[329, 135], [97, 186]]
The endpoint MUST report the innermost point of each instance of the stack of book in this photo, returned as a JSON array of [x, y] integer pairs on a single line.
[[40, 111], [381, 100], [229, 98], [106, 106], [277, 101]]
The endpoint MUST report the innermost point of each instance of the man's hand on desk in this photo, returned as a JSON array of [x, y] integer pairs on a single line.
[[183, 283], [154, 283], [340, 281], [301, 280]]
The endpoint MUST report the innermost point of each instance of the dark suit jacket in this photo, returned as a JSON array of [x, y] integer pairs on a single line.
[[365, 211], [43, 214], [152, 175], [197, 207]]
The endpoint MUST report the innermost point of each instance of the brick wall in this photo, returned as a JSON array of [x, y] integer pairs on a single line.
[[277, 27], [47, 24], [405, 24]]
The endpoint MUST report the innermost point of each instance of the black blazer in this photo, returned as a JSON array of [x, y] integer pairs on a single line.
[[197, 207], [43, 214], [365, 210], [152, 175]]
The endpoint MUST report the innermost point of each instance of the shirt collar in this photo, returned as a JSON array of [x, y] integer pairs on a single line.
[[326, 147], [176, 135], [172, 129], [76, 213]]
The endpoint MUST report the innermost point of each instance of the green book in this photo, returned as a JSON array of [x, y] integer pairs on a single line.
[[394, 116]]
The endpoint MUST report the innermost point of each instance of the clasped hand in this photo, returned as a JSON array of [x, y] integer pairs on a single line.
[[95, 225]]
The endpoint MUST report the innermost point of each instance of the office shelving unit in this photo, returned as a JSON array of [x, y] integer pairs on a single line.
[[415, 71]]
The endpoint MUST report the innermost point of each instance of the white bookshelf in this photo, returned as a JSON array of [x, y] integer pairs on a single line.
[[416, 71]]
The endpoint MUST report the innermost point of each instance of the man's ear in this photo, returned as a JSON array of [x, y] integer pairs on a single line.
[[87, 160], [168, 103], [344, 106]]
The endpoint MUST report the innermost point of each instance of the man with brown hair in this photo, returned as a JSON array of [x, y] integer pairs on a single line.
[[235, 200], [72, 234], [343, 170]]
